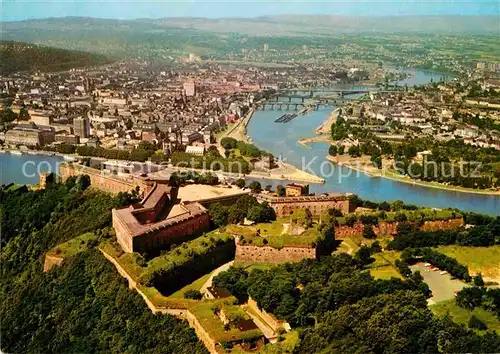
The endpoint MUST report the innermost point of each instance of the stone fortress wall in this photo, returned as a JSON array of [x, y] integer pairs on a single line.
[[180, 313], [267, 254], [388, 229], [317, 205], [248, 253], [106, 182]]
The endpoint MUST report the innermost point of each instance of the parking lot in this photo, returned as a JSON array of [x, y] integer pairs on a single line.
[[442, 287]]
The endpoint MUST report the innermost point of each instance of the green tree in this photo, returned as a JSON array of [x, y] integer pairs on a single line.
[[7, 115], [83, 182], [397, 205], [478, 280], [255, 187], [400, 217], [261, 213], [384, 206], [235, 281], [302, 217], [228, 143], [23, 114], [219, 214], [240, 183], [363, 256], [368, 232], [350, 220], [476, 323], [193, 294], [354, 151]]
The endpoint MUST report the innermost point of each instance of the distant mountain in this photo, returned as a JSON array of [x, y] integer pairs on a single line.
[[169, 38], [18, 56], [308, 25], [113, 38], [290, 25]]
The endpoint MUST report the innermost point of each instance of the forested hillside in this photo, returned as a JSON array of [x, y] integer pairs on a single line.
[[334, 304], [18, 56], [83, 306], [340, 308]]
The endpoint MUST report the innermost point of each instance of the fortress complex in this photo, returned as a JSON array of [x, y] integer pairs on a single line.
[[158, 221], [105, 180], [317, 204]]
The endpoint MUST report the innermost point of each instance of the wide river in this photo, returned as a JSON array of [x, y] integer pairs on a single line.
[[282, 140]]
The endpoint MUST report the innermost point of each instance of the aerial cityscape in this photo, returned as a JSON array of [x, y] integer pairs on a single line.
[[250, 177]]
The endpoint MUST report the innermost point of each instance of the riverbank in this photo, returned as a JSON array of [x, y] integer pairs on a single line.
[[285, 171], [239, 130], [322, 131], [364, 165], [315, 139], [281, 140], [325, 127]]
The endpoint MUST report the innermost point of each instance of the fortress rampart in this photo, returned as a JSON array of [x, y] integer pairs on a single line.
[[389, 229], [317, 205], [267, 254]]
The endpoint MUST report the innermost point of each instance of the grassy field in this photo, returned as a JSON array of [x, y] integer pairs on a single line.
[[385, 272], [484, 260], [135, 265], [414, 215], [14, 187], [348, 245], [270, 234], [287, 345], [249, 266], [383, 267], [274, 228], [73, 246], [461, 315], [196, 285], [127, 260]]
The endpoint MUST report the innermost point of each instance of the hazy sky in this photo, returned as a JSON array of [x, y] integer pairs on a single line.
[[14, 10]]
